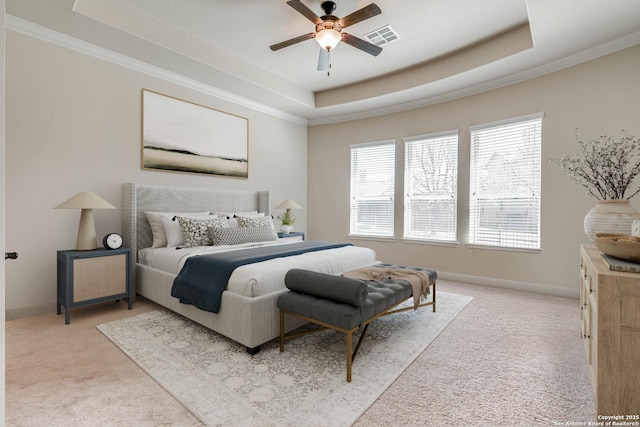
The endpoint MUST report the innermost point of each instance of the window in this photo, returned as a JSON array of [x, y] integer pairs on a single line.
[[430, 182], [372, 189], [504, 204]]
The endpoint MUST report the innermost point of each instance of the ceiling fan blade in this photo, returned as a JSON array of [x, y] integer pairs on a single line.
[[294, 40], [323, 60], [305, 11], [363, 45], [360, 15]]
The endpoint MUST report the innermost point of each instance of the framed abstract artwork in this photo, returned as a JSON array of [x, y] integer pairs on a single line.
[[181, 136]]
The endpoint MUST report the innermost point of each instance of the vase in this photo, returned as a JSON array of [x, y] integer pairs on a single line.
[[286, 229], [610, 216]]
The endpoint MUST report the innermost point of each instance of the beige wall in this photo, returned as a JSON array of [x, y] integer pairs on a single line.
[[599, 96], [74, 124]]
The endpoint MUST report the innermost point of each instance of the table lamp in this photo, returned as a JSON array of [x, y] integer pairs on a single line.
[[86, 230], [288, 205], [287, 218]]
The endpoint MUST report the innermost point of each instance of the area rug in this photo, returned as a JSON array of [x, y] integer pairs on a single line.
[[220, 383]]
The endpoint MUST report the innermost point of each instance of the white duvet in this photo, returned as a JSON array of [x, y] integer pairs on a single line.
[[264, 277]]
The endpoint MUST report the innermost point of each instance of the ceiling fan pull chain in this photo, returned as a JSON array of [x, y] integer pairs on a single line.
[[329, 69]]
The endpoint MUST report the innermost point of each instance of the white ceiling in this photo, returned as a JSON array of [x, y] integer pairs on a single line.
[[448, 48]]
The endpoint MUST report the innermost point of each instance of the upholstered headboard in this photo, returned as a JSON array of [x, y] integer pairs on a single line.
[[138, 198]]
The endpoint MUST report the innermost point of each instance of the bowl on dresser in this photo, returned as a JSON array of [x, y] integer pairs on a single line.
[[619, 246]]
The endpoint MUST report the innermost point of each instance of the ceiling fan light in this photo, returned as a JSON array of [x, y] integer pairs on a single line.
[[328, 38]]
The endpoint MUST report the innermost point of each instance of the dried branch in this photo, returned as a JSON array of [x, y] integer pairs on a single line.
[[606, 167]]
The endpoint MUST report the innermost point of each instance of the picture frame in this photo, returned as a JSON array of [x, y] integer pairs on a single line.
[[181, 136]]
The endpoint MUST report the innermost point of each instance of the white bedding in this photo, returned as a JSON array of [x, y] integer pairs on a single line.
[[264, 277]]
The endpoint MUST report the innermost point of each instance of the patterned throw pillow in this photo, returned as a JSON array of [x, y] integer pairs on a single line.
[[238, 235], [196, 231], [159, 229], [228, 215], [258, 222], [245, 221]]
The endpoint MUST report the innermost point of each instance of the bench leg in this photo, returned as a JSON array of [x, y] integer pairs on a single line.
[[434, 297], [349, 335], [351, 354]]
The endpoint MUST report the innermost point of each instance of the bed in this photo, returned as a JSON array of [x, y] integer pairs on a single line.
[[248, 312]]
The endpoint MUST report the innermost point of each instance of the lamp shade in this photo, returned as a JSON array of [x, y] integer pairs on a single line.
[[289, 204], [86, 229], [328, 38], [85, 200]]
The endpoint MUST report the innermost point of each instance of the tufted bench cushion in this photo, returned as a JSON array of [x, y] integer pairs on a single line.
[[336, 288], [339, 301], [346, 304]]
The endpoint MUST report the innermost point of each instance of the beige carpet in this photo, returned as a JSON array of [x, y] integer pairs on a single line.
[[71, 375], [510, 358], [304, 386]]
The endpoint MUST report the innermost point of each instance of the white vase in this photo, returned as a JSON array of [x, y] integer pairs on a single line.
[[610, 216], [285, 229]]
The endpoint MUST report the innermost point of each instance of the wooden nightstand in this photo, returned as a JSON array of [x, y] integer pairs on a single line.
[[91, 277], [292, 235]]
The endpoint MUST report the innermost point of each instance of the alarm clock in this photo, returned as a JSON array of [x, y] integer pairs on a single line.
[[112, 241]]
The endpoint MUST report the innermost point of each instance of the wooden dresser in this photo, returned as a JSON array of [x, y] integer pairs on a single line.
[[610, 327]]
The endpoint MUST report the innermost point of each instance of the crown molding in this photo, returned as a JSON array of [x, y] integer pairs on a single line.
[[19, 25], [565, 62], [22, 26]]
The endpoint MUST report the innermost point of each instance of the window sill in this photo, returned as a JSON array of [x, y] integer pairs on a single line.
[[504, 248], [372, 238], [431, 242]]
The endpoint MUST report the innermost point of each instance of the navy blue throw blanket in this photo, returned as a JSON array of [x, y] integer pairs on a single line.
[[203, 278]]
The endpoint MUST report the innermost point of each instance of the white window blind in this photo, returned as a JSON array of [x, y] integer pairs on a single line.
[[504, 205], [372, 189], [430, 182]]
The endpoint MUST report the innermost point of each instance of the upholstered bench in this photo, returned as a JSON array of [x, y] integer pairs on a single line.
[[344, 304]]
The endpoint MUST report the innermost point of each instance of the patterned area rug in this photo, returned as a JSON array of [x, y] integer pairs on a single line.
[[305, 385]]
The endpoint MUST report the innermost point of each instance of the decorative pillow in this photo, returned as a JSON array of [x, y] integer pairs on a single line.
[[257, 222], [196, 230], [237, 235], [233, 221], [158, 229], [228, 215], [244, 221], [173, 232]]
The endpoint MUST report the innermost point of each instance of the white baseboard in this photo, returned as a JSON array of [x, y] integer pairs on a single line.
[[537, 288], [512, 284], [33, 310]]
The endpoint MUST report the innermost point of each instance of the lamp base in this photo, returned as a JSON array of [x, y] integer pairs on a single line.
[[86, 232]]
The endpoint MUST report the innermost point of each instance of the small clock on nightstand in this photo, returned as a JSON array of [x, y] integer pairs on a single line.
[[112, 241]]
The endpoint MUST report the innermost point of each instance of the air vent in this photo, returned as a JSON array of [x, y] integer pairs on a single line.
[[382, 36]]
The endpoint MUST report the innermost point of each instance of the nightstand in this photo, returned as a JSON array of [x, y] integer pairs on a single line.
[[94, 276], [293, 235]]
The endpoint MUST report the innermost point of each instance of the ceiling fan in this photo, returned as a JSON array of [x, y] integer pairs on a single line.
[[329, 33]]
